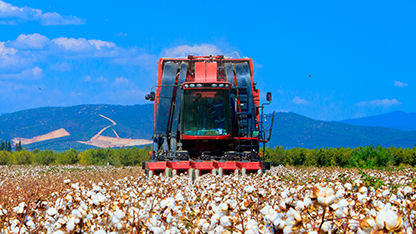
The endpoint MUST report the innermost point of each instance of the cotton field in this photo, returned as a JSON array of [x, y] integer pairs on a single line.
[[74, 199]]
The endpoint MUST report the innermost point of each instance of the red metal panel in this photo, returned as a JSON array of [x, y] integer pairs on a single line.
[[156, 165], [226, 165], [203, 166], [205, 72], [189, 137], [211, 69], [182, 165], [200, 72], [250, 165]]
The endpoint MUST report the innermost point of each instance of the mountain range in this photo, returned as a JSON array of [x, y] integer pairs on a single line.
[[91, 126], [398, 120]]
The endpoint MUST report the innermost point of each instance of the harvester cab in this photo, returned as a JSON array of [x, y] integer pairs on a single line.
[[207, 115]]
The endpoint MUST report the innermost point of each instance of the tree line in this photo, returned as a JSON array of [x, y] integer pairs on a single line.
[[7, 145], [359, 157], [129, 156]]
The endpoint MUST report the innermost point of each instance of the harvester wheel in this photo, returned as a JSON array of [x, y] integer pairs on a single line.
[[237, 172], [150, 174], [214, 171], [191, 173], [220, 172], [196, 174], [243, 171], [174, 173], [167, 172], [259, 171]]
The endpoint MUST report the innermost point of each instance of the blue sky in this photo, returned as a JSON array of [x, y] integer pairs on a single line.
[[360, 55]]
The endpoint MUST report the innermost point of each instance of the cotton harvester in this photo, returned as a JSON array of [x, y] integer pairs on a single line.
[[208, 117]]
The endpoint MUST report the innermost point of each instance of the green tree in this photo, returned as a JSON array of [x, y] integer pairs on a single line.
[[2, 145], [68, 157], [22, 157], [6, 158], [18, 146], [8, 146], [45, 157]]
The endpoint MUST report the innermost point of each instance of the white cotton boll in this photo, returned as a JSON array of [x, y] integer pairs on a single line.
[[205, 227], [283, 194], [282, 204], [307, 201], [329, 192], [287, 229], [391, 219], [30, 224], [223, 207], [363, 190], [252, 226], [100, 232], [329, 200], [249, 189], [326, 226], [20, 208], [61, 232], [348, 186], [174, 230], [265, 209], [67, 181], [340, 193], [218, 199], [70, 225], [219, 229], [76, 213], [119, 214], [381, 219], [300, 206], [225, 221], [51, 211], [201, 222], [353, 224], [293, 214], [407, 190], [339, 213], [163, 204], [385, 193]]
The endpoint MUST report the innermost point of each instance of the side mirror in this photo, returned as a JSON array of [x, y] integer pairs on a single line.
[[269, 96], [150, 96]]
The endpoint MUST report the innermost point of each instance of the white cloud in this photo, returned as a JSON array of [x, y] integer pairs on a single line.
[[102, 79], [61, 67], [122, 34], [87, 79], [184, 50], [400, 84], [30, 74], [13, 15], [29, 41], [300, 101], [378, 102], [120, 81]]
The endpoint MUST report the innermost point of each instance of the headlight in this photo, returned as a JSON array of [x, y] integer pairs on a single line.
[[192, 85], [226, 85], [186, 86], [199, 85], [214, 85], [221, 85]]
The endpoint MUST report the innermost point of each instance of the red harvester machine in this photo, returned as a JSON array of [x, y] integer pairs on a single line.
[[208, 117]]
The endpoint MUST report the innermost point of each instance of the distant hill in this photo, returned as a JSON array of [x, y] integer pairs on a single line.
[[291, 130], [81, 122], [62, 128], [398, 120]]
